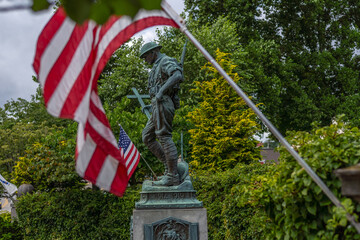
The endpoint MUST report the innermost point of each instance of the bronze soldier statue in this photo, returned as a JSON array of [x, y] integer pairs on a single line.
[[164, 80]]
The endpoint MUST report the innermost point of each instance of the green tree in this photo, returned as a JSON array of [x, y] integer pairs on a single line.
[[14, 141], [124, 70], [49, 164], [244, 14], [223, 37], [319, 41], [23, 123], [252, 63], [224, 125], [312, 62]]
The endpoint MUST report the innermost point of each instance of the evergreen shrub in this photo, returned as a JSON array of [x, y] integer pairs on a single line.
[[9, 230], [227, 196], [76, 214], [294, 202]]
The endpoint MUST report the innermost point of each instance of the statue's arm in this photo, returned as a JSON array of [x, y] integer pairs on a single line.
[[175, 78]]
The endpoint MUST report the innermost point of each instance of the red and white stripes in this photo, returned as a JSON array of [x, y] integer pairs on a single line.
[[68, 60], [132, 157]]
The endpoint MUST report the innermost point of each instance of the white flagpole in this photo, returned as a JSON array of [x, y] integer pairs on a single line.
[[179, 21]]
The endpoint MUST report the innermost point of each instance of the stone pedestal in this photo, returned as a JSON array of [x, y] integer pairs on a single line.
[[181, 196], [155, 221], [169, 213]]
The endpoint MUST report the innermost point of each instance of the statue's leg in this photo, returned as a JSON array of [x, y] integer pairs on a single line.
[[149, 139], [164, 134], [170, 151]]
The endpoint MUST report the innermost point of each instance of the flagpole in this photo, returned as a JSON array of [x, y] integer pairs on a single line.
[[149, 166], [181, 23]]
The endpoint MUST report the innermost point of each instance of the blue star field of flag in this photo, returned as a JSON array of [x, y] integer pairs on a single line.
[[124, 140]]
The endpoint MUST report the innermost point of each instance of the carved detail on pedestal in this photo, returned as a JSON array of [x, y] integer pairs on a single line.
[[171, 229]]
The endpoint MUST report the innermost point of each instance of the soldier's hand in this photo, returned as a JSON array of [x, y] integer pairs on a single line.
[[148, 108]]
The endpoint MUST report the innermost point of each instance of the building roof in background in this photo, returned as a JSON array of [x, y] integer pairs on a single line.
[[269, 154]]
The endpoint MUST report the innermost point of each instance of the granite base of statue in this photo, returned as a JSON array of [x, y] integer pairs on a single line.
[[169, 212]]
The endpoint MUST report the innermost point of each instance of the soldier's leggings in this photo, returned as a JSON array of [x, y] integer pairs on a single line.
[[165, 149]]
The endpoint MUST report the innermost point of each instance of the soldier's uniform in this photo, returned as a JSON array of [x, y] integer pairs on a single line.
[[163, 110]]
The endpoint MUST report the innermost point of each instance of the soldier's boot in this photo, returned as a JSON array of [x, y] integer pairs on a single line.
[[172, 177], [166, 171], [168, 180]]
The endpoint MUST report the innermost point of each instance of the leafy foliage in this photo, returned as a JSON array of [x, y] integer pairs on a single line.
[[281, 201], [23, 123], [303, 56], [299, 58], [224, 125], [296, 205], [14, 141], [99, 11], [244, 14], [39, 5], [76, 214], [36, 145], [230, 206], [223, 37], [9, 230], [124, 70], [49, 164]]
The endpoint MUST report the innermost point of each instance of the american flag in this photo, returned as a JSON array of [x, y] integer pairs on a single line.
[[128, 151], [68, 61]]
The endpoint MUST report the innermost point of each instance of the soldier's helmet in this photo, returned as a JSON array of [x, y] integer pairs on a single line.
[[148, 47]]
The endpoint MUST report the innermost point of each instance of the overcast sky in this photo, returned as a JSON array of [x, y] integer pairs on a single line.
[[19, 31]]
